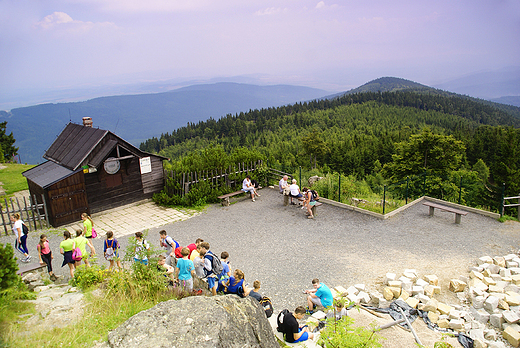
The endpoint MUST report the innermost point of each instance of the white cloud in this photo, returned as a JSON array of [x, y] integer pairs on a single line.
[[61, 18], [270, 11], [320, 4], [54, 19]]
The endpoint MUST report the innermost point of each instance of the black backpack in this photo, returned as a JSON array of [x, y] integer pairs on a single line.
[[314, 195], [25, 229], [268, 306], [279, 320]]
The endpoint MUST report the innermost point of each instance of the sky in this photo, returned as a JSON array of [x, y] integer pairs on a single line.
[[330, 44]]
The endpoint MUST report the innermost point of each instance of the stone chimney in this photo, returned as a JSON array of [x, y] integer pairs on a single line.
[[87, 122]]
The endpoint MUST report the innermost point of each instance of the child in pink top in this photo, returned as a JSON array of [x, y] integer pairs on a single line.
[[45, 255]]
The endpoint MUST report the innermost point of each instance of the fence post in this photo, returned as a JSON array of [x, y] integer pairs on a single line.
[[384, 198], [300, 176], [519, 206], [407, 181], [424, 185], [339, 188], [460, 189], [502, 200]]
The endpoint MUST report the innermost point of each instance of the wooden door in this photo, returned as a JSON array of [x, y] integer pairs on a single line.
[[68, 203]]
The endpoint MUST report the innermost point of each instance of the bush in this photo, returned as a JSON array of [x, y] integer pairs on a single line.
[[86, 277], [341, 333], [8, 267]]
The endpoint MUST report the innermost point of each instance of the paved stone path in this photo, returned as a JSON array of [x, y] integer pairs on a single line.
[[127, 220]]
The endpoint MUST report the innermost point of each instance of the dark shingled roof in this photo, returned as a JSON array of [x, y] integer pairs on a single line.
[[73, 145], [47, 173]]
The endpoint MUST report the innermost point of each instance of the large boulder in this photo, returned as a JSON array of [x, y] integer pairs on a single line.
[[197, 321]]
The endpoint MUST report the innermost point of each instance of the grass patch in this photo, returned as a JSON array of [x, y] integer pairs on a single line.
[[505, 218], [12, 178]]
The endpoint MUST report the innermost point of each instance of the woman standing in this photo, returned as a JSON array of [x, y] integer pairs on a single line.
[[66, 247], [45, 254], [81, 242], [88, 225], [21, 238]]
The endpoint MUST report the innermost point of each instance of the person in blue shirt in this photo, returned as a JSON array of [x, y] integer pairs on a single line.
[[319, 296]]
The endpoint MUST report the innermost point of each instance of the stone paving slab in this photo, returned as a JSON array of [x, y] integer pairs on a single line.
[[128, 219]]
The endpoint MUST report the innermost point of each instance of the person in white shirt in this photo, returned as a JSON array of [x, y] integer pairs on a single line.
[[247, 186]]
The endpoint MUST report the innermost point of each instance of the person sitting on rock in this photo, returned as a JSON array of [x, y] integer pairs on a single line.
[[234, 285], [340, 310], [170, 245], [211, 277], [288, 325], [185, 270], [254, 293], [319, 296], [163, 266]]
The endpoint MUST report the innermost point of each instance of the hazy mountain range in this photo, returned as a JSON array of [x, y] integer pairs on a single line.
[[142, 116]]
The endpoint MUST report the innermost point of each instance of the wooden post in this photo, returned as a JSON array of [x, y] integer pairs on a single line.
[[45, 211], [519, 206], [8, 214], [3, 221], [27, 213], [38, 211], [21, 211]]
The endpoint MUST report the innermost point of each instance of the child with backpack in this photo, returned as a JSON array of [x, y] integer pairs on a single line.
[[212, 267], [20, 231], [110, 250], [170, 245]]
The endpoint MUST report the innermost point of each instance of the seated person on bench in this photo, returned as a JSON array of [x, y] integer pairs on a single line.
[[309, 202], [283, 183], [295, 192], [247, 186]]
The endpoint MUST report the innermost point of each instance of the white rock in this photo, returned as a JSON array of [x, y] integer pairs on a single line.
[[352, 290], [360, 287], [416, 290], [421, 282], [389, 276], [480, 315], [491, 304], [364, 297], [484, 259], [510, 317], [496, 320]]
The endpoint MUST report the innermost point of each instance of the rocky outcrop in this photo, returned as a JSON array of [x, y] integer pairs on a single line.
[[219, 321]]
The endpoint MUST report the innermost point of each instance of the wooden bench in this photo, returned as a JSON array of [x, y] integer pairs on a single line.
[[458, 213], [30, 268], [313, 209], [225, 198]]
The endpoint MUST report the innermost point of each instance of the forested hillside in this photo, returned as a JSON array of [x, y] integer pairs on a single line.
[[356, 134]]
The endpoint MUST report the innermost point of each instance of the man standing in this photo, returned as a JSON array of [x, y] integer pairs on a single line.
[[170, 244], [319, 296], [288, 324]]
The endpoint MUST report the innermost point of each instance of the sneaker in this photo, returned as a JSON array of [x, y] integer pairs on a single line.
[[292, 203], [24, 259], [53, 277], [28, 258], [310, 217], [253, 199], [309, 311]]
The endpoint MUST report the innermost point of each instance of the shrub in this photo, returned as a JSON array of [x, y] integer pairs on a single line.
[[86, 277], [341, 333], [8, 267]]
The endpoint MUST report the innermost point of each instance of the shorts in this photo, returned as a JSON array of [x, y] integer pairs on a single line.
[[312, 203], [186, 284], [303, 337], [316, 301], [299, 195], [144, 262], [211, 282], [251, 189]]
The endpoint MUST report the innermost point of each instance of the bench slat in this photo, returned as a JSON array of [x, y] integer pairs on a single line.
[[445, 208]]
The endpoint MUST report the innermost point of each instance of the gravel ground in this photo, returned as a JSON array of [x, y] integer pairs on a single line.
[[284, 250]]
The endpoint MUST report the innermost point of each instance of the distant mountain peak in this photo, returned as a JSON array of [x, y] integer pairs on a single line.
[[388, 84]]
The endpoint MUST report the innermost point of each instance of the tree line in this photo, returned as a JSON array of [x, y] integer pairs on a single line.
[[358, 135]]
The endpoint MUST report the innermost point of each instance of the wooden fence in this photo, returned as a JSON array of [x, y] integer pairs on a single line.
[[180, 183], [34, 214], [511, 205]]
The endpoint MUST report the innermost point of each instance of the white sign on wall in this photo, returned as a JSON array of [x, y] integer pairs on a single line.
[[146, 165]]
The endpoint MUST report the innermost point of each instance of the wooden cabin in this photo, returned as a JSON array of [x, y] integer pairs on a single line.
[[89, 170]]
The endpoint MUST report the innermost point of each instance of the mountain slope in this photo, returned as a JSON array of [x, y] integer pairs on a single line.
[[138, 117]]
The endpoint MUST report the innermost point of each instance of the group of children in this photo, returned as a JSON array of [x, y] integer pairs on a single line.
[[182, 264]]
